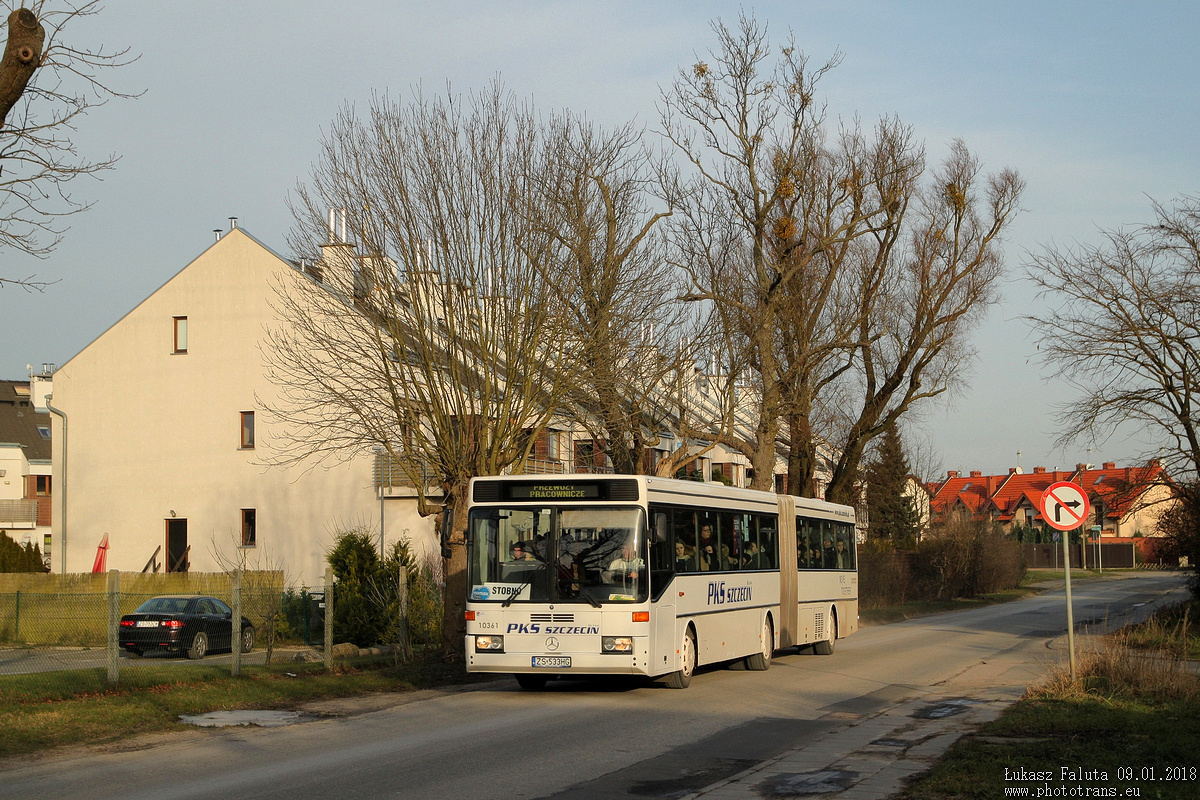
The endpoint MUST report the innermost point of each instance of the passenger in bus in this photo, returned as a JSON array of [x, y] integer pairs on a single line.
[[814, 558], [843, 558], [802, 560], [829, 555], [753, 558], [518, 552], [685, 558], [708, 550]]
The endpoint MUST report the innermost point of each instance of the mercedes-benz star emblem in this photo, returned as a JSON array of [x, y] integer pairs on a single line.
[[552, 643]]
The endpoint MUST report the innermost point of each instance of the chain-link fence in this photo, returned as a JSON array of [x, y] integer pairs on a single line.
[[76, 632]]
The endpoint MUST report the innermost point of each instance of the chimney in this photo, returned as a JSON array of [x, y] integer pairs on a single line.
[[1113, 464], [976, 473], [993, 483], [1012, 470], [1081, 467], [1039, 470], [951, 474]]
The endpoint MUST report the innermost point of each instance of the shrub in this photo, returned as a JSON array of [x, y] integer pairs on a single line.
[[19, 558], [366, 609], [884, 577], [962, 557]]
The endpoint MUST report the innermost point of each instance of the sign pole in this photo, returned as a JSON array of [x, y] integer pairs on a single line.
[[1070, 615], [1065, 507]]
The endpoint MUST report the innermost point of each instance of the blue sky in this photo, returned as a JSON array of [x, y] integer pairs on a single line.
[[1096, 104]]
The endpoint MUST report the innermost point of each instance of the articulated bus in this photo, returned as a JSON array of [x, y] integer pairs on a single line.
[[579, 575]]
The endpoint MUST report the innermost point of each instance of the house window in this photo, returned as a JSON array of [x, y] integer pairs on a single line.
[[181, 335], [44, 431], [43, 485], [247, 430], [249, 538]]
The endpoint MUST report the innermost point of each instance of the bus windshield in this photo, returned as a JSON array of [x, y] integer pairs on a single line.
[[554, 554]]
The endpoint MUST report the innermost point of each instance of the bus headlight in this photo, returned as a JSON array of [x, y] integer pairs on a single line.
[[617, 644], [489, 644]]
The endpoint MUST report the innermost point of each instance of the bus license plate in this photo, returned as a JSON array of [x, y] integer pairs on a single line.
[[554, 662]]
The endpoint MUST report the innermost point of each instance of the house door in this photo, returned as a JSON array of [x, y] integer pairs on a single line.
[[177, 546]]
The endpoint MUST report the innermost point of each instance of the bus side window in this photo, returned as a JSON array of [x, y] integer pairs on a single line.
[[727, 535], [844, 545], [662, 552], [768, 541], [684, 523]]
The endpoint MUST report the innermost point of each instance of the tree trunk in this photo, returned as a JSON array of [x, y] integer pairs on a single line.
[[454, 599], [22, 55]]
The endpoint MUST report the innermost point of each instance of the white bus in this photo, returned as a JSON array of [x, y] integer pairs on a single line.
[[634, 575]]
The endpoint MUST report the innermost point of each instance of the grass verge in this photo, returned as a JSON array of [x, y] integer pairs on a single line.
[[78, 706], [923, 608], [1127, 726]]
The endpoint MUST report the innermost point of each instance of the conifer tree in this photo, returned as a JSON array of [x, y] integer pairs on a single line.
[[893, 516]]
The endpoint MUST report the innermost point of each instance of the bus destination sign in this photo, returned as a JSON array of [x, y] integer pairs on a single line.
[[556, 490]]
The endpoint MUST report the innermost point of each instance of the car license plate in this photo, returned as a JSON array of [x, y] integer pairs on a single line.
[[554, 662], [147, 623]]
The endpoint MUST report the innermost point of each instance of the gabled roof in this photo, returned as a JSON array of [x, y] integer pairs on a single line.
[[1118, 489], [19, 423]]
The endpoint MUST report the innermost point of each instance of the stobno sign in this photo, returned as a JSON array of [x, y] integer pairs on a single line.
[[1064, 506]]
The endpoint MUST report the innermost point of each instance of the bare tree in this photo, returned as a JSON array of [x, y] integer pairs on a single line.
[[435, 337], [635, 342], [851, 288], [922, 293], [46, 85], [1123, 327], [743, 124]]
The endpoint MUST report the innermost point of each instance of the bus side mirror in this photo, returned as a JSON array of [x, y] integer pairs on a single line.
[[660, 527]]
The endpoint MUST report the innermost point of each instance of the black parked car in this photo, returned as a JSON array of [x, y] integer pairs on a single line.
[[189, 624]]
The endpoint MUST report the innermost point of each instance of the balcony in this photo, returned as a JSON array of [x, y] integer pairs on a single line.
[[18, 513]]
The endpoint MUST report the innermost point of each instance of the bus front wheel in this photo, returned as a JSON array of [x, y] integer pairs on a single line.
[[682, 678]]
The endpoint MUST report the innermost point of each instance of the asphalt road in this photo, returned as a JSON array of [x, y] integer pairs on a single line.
[[597, 740]]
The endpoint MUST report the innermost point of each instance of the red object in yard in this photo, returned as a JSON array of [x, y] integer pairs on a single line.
[[101, 555]]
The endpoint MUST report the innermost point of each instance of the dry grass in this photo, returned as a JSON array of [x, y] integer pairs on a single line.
[[1119, 664]]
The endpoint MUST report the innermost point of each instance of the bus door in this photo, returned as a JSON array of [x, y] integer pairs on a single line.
[[663, 640], [788, 574]]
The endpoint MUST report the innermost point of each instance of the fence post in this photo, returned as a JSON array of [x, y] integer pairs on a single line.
[[405, 644], [235, 623], [328, 619], [17, 621], [114, 626]]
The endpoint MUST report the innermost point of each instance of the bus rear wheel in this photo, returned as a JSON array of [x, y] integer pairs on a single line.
[[826, 648], [531, 683], [762, 661], [682, 678]]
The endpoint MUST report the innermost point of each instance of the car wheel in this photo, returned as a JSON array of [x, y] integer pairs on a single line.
[[199, 646], [247, 638], [682, 678], [532, 683], [133, 652], [762, 661], [826, 648]]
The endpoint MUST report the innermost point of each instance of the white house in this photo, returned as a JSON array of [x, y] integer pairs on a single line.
[[26, 483], [160, 439]]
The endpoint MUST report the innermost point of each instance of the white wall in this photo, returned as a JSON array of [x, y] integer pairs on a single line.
[[151, 433]]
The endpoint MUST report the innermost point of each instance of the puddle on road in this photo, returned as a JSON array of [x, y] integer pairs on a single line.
[[948, 708], [263, 719], [800, 784]]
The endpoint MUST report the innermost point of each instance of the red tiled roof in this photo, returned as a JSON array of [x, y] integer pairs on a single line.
[[1004, 495]]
